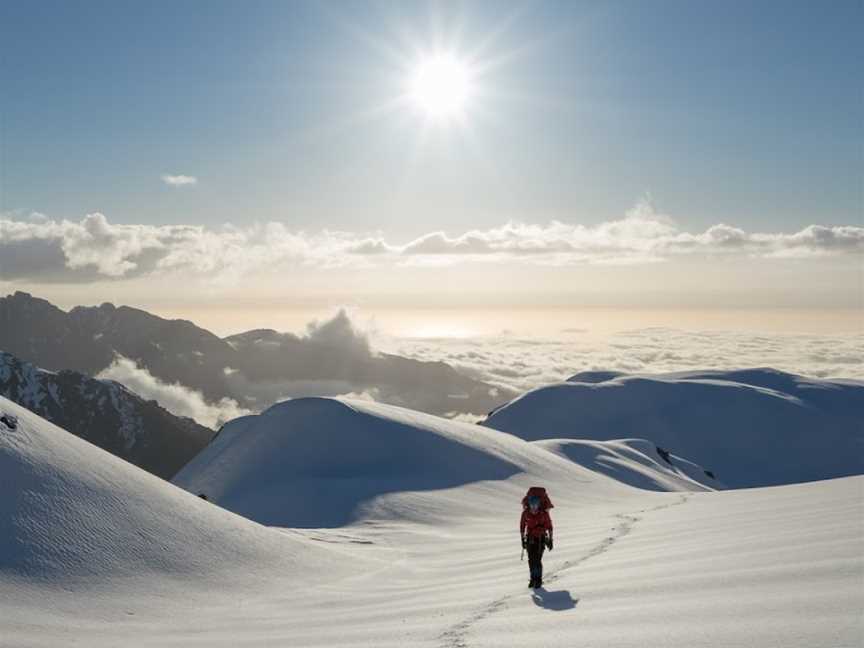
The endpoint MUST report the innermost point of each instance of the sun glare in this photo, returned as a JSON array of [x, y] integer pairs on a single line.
[[441, 85]]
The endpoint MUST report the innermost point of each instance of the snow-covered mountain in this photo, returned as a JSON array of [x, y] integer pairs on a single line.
[[256, 368], [97, 552], [755, 427], [106, 414], [350, 454]]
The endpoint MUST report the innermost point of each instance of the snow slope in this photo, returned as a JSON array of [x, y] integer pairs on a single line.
[[636, 462], [753, 427], [75, 519], [434, 562], [322, 462], [106, 414], [781, 566]]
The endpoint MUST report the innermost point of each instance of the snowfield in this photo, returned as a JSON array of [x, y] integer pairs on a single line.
[[400, 529], [324, 462], [752, 427]]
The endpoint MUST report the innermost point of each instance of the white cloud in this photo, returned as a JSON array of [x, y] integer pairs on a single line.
[[370, 394], [94, 248], [465, 417], [339, 332], [179, 180], [174, 397]]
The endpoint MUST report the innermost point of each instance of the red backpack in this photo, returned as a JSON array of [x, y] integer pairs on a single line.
[[539, 491]]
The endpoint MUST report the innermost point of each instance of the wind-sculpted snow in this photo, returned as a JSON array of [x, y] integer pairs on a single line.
[[70, 512], [754, 427]]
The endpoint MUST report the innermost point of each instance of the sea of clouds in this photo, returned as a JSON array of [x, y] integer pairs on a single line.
[[522, 363], [517, 363]]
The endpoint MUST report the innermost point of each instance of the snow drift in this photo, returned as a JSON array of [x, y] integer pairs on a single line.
[[754, 427]]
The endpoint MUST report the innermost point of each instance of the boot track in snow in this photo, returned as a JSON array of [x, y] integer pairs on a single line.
[[456, 636]]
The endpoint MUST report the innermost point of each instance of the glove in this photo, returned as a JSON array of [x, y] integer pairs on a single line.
[[549, 544], [524, 542]]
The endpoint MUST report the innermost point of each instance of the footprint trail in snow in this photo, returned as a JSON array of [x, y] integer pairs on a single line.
[[456, 635]]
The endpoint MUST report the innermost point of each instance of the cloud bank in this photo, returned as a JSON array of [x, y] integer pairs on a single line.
[[525, 363], [177, 399], [95, 249]]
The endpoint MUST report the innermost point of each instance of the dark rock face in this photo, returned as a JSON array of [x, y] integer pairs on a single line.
[[88, 338], [171, 350], [35, 330], [106, 414]]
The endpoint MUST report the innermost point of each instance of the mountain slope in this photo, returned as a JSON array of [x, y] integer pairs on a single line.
[[71, 511], [35, 330], [97, 552], [106, 414], [319, 461], [87, 339], [751, 428], [779, 566], [171, 350], [256, 368]]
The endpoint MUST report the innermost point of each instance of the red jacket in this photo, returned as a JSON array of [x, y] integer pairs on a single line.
[[535, 524]]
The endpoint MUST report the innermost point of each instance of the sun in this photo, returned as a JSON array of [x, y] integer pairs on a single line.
[[440, 85]]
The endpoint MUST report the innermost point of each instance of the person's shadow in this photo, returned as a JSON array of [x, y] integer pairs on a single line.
[[558, 601]]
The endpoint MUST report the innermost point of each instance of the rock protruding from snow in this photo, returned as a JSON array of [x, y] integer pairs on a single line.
[[755, 427], [106, 414]]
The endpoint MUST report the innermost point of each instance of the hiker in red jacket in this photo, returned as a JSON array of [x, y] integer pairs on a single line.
[[535, 530]]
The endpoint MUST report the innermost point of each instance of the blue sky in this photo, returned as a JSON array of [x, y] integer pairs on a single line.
[[744, 113]]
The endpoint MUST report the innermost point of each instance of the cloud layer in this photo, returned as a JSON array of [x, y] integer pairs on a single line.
[[176, 398], [525, 363], [95, 249]]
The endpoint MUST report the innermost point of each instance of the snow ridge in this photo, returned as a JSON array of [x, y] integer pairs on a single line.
[[750, 428]]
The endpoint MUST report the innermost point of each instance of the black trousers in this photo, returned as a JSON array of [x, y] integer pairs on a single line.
[[536, 546]]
